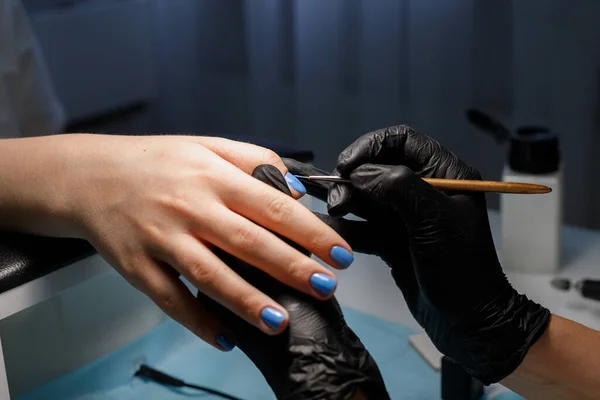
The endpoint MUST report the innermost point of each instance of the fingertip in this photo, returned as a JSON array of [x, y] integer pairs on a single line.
[[297, 188], [342, 257], [226, 342], [274, 320], [208, 335], [212, 332], [270, 175], [342, 161], [323, 284], [296, 195]]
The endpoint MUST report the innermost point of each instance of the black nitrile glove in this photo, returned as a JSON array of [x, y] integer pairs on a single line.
[[438, 245], [318, 356]]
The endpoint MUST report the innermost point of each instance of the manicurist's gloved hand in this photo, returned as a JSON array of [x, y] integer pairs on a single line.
[[438, 244], [318, 356]]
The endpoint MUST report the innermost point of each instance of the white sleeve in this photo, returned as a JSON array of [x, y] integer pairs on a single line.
[[27, 96]]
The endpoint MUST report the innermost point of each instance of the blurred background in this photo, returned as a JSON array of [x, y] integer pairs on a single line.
[[317, 74]]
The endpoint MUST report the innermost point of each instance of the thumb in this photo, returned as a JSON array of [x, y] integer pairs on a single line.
[[398, 187]]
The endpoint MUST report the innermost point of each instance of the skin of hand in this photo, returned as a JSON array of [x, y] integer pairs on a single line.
[[562, 364], [155, 206], [438, 245]]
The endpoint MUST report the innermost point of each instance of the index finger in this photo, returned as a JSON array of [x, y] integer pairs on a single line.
[[247, 157]]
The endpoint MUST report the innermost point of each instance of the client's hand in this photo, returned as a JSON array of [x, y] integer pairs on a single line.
[[438, 245], [155, 206], [318, 356]]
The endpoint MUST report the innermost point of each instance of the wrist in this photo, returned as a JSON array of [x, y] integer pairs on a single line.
[[500, 333], [563, 363], [35, 177]]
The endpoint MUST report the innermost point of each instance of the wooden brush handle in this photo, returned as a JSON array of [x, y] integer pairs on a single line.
[[487, 186], [460, 185]]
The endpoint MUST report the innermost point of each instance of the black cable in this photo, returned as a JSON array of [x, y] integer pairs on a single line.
[[164, 379]]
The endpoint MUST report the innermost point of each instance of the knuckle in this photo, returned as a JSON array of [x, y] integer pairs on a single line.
[[177, 199], [405, 130], [154, 233], [168, 302], [341, 161], [200, 272], [299, 269], [270, 157], [398, 176], [218, 147], [250, 304], [131, 268], [319, 237], [214, 179], [279, 209], [245, 237]]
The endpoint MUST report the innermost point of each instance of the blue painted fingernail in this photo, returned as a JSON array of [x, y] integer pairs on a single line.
[[324, 284], [295, 183], [226, 342], [272, 317], [341, 256]]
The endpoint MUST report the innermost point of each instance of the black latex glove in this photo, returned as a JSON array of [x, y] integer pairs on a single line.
[[318, 356], [438, 245]]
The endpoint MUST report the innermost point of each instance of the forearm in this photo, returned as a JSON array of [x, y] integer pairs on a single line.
[[33, 192], [563, 364]]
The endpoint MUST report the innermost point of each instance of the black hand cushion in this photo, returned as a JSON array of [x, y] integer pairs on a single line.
[[318, 356], [24, 258]]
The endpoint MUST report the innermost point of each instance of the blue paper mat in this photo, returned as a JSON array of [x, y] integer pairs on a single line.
[[172, 349]]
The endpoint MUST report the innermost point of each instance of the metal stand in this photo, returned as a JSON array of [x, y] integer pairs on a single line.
[[4, 392], [457, 384]]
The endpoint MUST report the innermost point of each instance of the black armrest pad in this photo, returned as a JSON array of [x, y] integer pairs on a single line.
[[24, 258]]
